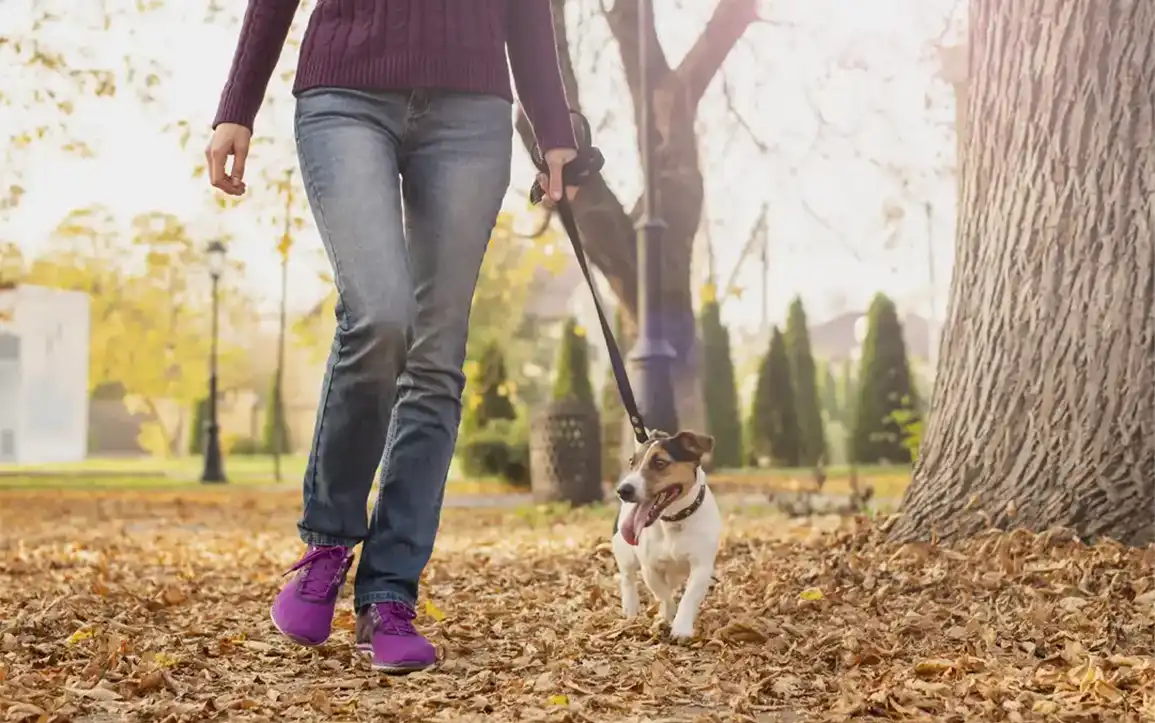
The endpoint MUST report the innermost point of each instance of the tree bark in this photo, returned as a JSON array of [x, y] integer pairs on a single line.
[[1045, 401], [607, 226]]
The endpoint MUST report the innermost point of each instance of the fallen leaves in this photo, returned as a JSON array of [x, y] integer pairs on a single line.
[[96, 693], [154, 607], [78, 636], [434, 612], [932, 667], [811, 594]]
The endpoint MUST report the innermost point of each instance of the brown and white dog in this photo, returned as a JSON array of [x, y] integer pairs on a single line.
[[668, 527]]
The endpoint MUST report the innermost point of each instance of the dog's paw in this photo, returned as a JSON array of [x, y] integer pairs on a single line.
[[681, 631], [630, 607]]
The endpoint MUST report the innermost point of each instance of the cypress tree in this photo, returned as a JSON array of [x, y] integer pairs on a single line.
[[847, 401], [490, 442], [494, 387], [275, 422], [723, 418], [883, 388], [812, 444], [848, 394], [774, 427], [572, 382], [829, 390]]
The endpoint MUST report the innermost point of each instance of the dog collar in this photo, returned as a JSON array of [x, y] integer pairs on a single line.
[[679, 516]]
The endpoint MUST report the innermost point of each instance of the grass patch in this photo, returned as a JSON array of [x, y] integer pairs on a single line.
[[146, 472], [889, 481], [142, 473], [179, 468]]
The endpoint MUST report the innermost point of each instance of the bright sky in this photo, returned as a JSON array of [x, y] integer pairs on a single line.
[[863, 65]]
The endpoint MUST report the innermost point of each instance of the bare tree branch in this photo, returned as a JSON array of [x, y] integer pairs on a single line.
[[729, 22], [626, 24], [739, 118]]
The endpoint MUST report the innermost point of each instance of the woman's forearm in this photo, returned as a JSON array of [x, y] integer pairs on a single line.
[[534, 62], [263, 33]]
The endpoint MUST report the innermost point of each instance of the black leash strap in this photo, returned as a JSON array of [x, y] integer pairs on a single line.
[[589, 161]]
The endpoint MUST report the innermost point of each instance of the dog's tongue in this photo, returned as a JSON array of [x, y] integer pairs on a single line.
[[635, 522]]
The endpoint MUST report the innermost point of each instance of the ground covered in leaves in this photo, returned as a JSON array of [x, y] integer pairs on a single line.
[[154, 607]]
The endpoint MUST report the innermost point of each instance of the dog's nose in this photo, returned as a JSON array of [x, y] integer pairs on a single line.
[[627, 492]]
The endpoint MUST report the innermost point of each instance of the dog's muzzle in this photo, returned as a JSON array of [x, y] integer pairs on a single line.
[[627, 492]]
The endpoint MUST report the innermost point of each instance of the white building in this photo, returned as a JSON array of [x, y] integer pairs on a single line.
[[44, 351]]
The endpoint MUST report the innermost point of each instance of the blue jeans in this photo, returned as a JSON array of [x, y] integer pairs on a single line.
[[405, 188]]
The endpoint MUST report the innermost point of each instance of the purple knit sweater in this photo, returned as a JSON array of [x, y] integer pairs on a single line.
[[406, 44]]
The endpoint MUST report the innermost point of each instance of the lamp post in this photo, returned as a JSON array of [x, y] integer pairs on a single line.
[[652, 357], [214, 471]]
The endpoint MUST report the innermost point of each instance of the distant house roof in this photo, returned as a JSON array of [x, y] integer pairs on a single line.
[[834, 339], [552, 295]]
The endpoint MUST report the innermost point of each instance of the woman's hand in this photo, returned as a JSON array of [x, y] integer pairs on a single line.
[[229, 139], [552, 182]]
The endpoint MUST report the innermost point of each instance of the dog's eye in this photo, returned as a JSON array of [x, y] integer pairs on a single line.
[[659, 463]]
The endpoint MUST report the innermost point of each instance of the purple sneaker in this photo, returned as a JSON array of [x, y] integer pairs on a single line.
[[303, 610], [385, 631]]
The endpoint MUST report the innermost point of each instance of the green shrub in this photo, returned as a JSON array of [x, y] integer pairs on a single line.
[[774, 428], [572, 379], [719, 391], [493, 386], [516, 470], [910, 427], [493, 441], [883, 388], [244, 446], [500, 450], [812, 439]]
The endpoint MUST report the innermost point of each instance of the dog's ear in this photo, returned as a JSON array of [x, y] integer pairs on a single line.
[[695, 444]]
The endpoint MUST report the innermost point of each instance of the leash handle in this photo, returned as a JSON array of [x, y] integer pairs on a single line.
[[589, 161]]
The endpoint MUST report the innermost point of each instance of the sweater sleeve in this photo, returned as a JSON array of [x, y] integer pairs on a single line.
[[536, 73], [263, 33]]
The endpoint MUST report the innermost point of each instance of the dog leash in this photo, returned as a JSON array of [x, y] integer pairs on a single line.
[[589, 161]]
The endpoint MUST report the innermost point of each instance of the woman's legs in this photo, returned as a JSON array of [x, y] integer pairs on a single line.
[[456, 172], [403, 320], [350, 149]]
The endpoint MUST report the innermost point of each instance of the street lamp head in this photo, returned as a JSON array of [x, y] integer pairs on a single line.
[[216, 255]]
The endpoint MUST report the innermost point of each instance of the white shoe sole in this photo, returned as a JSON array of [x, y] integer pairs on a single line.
[[367, 649], [294, 638]]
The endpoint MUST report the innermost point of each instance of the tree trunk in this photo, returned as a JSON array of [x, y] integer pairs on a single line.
[[607, 226], [1045, 402]]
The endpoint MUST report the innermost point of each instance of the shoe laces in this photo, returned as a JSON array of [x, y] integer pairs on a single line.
[[393, 618], [324, 571]]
